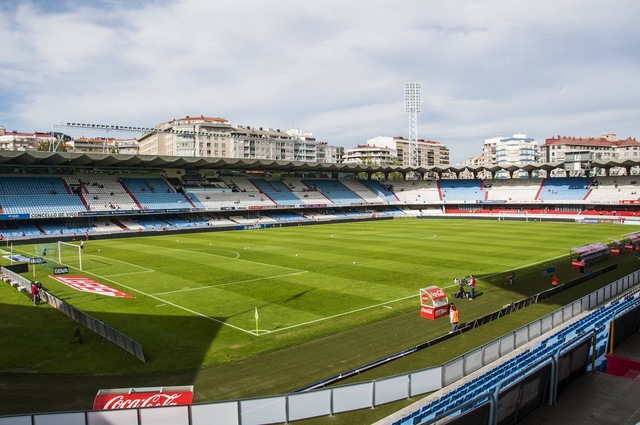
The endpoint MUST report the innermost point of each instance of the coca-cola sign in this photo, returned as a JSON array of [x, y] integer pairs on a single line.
[[128, 399]]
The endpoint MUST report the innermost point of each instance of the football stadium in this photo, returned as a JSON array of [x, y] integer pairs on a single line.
[[168, 290]]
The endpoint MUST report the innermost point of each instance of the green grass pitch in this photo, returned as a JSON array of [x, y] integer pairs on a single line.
[[196, 295]]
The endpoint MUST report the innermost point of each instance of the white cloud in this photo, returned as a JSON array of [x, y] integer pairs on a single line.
[[331, 67]]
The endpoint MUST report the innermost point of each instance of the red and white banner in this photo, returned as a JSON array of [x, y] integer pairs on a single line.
[[429, 312], [129, 398], [84, 284], [434, 292]]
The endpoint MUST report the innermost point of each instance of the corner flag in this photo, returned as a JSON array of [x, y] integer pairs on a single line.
[[256, 316]]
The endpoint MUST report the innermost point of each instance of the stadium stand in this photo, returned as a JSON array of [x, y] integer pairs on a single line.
[[304, 192], [52, 201], [277, 191], [417, 192], [455, 190], [371, 191], [335, 191], [103, 194], [612, 190], [565, 189], [282, 216], [513, 190], [37, 195]]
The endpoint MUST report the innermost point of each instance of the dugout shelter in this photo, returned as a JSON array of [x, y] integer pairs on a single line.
[[589, 253], [616, 248], [633, 238]]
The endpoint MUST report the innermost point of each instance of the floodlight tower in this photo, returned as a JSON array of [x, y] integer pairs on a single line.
[[412, 107], [106, 128]]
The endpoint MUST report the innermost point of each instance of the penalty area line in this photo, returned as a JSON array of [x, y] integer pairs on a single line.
[[144, 269], [178, 306]]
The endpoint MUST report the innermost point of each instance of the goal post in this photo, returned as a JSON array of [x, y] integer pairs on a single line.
[[513, 215], [70, 255]]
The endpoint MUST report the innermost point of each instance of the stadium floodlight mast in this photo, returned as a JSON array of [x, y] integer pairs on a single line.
[[412, 107], [106, 128]]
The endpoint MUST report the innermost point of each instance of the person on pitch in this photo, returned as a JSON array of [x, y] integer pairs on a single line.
[[453, 318], [511, 278], [472, 287]]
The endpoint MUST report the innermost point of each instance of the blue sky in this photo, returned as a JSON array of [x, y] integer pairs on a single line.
[[331, 67]]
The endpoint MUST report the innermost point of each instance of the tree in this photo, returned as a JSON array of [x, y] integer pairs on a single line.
[[52, 145], [395, 175]]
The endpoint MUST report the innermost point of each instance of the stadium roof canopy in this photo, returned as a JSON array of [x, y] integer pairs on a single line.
[[103, 161]]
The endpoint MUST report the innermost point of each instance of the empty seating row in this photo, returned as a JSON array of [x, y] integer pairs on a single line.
[[565, 189], [277, 192], [10, 185], [334, 190], [42, 203], [104, 193], [461, 190]]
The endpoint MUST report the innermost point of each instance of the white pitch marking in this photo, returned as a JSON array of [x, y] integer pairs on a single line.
[[341, 314], [146, 269], [197, 313], [229, 283], [237, 257], [124, 274], [381, 235]]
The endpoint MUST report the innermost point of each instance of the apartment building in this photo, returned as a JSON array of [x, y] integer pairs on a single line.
[[217, 137], [430, 152]]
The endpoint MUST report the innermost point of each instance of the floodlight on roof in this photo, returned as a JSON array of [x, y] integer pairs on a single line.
[[412, 93]]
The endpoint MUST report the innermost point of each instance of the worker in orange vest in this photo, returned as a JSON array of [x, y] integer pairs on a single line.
[[453, 317], [554, 280]]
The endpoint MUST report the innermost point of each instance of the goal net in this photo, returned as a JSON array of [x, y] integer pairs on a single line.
[[70, 255], [48, 251]]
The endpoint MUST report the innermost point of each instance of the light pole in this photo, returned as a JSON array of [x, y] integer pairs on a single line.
[[412, 107]]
